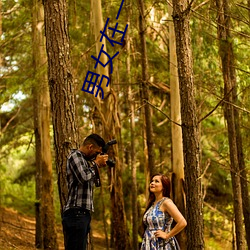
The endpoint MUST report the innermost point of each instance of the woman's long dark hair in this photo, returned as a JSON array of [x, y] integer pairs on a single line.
[[166, 185], [166, 189]]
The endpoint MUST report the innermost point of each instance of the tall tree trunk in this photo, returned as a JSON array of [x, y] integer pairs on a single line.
[[105, 226], [121, 235], [46, 237], [230, 93], [181, 16], [243, 179], [242, 166], [111, 129], [96, 8], [61, 87], [97, 23], [132, 137], [176, 132], [145, 90]]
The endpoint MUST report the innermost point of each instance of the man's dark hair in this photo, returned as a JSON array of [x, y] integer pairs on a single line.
[[94, 139]]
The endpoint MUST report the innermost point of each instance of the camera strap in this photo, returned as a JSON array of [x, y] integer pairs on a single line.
[[97, 179]]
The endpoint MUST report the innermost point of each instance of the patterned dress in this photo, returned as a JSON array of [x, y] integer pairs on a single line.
[[155, 220]]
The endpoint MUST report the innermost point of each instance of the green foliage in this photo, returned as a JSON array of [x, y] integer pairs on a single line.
[[17, 167], [18, 188], [212, 244], [19, 197], [218, 228], [26, 174]]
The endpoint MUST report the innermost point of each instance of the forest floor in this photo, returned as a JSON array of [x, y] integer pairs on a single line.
[[18, 232]]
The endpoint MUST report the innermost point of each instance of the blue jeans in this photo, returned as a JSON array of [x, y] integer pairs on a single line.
[[76, 226]]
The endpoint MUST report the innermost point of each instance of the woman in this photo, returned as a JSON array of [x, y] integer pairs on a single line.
[[159, 215]]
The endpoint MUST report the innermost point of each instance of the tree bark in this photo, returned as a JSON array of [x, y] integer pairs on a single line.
[[111, 129], [181, 16], [46, 234], [243, 178], [105, 226], [96, 9], [132, 137], [176, 132], [145, 90], [62, 93], [231, 116], [46, 237]]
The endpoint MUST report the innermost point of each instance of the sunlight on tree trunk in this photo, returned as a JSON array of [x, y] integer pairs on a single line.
[[98, 25], [46, 237], [176, 132], [108, 111]]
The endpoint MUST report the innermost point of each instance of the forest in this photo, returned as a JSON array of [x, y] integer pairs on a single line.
[[168, 80]]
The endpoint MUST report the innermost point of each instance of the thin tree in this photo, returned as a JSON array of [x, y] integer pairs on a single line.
[[145, 91], [97, 25], [132, 135], [46, 237], [181, 17], [176, 131], [111, 129], [243, 179], [231, 115], [61, 86]]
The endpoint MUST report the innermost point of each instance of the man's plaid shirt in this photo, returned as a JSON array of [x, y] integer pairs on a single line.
[[80, 179]]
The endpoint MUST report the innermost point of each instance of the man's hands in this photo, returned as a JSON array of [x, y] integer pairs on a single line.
[[101, 160]]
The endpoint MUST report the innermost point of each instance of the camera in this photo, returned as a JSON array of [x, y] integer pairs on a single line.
[[110, 162]]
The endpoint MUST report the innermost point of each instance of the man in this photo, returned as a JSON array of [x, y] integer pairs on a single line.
[[81, 175]]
